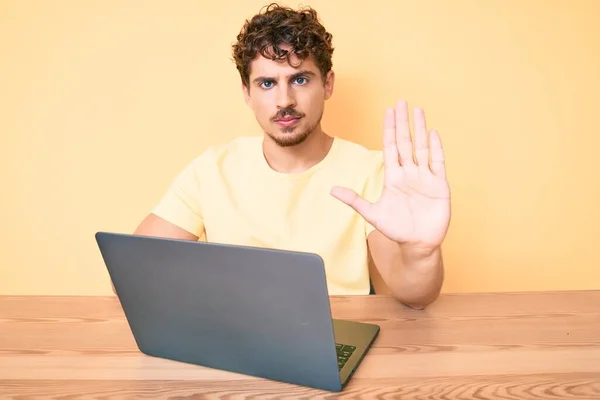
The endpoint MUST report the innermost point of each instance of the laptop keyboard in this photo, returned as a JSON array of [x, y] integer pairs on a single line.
[[344, 351]]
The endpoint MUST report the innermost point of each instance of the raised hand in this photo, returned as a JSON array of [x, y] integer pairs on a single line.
[[414, 207]]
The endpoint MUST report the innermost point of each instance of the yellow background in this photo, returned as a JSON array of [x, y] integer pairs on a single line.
[[103, 102]]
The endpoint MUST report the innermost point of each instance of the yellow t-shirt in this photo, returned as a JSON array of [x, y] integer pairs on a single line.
[[229, 194]]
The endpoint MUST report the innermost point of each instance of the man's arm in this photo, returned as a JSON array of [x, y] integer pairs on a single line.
[[412, 215], [414, 276], [156, 226]]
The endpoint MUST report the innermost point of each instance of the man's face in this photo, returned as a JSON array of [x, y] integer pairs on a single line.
[[288, 102]]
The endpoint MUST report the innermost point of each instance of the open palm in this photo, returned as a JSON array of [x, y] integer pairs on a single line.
[[414, 207]]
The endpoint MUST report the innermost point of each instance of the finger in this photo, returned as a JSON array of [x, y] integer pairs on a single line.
[[403, 139], [438, 164], [421, 147], [390, 151], [351, 198]]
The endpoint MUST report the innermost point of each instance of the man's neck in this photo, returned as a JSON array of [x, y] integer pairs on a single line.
[[299, 158]]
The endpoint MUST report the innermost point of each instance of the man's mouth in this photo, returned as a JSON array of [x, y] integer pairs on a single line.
[[287, 121]]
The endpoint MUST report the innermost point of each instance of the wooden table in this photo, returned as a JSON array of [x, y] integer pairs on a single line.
[[467, 346]]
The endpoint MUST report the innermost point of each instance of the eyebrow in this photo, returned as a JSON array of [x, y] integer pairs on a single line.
[[291, 77]]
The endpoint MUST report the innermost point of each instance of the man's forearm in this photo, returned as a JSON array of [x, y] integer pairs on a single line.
[[413, 275]]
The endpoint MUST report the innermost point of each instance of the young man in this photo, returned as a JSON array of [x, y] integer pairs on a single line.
[[298, 188]]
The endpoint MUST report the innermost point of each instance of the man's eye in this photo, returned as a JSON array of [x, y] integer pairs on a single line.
[[266, 84], [301, 81]]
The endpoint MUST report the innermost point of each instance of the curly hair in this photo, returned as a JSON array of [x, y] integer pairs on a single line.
[[275, 26]]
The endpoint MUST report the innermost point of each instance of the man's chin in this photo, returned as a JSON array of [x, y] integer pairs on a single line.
[[288, 139]]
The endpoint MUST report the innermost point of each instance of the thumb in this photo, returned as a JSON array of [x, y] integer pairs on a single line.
[[351, 198]]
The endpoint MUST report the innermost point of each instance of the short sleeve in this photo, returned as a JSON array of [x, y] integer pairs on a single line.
[[374, 184], [181, 203]]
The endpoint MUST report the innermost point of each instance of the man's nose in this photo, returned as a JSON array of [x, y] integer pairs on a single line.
[[285, 97]]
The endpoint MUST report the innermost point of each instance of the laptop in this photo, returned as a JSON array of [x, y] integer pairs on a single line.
[[248, 310]]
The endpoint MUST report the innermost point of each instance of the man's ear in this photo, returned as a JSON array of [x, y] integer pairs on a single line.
[[247, 97], [329, 81]]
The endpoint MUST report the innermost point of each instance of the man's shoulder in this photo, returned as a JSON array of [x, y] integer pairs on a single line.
[[358, 153]]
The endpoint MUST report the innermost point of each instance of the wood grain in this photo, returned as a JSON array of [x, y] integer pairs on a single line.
[[465, 346]]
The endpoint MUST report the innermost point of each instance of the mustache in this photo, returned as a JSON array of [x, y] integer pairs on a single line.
[[287, 112]]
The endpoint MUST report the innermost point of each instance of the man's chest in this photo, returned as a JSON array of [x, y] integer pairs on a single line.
[[289, 215]]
